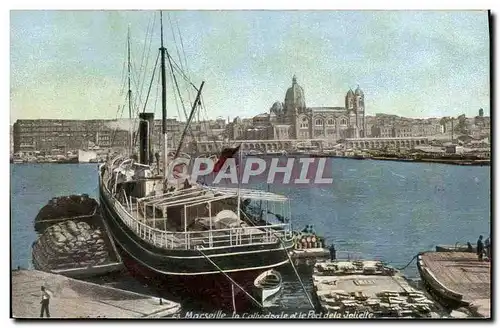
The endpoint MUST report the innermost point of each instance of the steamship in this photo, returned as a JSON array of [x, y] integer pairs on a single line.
[[184, 238]]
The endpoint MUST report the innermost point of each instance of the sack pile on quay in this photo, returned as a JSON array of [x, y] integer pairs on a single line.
[[70, 244]]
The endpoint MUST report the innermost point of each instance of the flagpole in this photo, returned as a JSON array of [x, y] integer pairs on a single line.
[[267, 204], [238, 176]]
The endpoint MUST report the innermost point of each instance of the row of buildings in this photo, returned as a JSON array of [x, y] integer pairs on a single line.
[[292, 119], [288, 120], [48, 135]]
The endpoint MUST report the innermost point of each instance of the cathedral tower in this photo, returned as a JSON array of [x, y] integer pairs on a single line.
[[359, 109], [349, 100]]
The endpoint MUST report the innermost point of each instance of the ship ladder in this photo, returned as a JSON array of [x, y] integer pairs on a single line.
[[230, 279]]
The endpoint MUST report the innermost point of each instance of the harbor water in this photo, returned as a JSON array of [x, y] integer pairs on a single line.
[[378, 209]]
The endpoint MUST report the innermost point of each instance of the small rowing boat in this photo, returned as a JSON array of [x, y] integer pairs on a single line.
[[267, 284]]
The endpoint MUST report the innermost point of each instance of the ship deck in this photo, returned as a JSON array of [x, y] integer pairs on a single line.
[[200, 216], [459, 274], [77, 299]]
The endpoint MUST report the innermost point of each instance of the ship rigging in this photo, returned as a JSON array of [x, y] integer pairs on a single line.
[[183, 237]]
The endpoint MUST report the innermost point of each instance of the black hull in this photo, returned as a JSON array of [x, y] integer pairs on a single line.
[[199, 292], [189, 272]]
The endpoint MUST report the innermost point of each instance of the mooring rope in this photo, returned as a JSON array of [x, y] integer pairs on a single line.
[[295, 269], [290, 260], [230, 279], [413, 258]]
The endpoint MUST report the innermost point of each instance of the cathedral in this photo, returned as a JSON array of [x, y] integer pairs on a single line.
[[304, 122], [292, 119]]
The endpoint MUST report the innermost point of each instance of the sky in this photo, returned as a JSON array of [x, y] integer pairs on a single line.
[[72, 64]]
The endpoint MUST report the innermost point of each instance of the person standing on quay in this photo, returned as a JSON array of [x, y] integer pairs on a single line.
[[45, 303], [487, 248], [333, 252], [480, 248]]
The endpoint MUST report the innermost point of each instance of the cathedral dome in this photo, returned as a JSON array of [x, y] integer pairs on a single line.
[[295, 96], [277, 108], [350, 93], [358, 92]]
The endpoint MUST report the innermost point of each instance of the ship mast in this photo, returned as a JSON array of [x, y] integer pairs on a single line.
[[163, 103], [190, 118], [129, 95]]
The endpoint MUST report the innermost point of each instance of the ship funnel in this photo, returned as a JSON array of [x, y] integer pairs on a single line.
[[146, 128]]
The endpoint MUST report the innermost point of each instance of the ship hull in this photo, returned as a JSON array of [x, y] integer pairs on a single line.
[[203, 292], [190, 272]]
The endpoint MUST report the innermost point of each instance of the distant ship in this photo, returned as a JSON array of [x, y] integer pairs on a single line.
[[87, 156]]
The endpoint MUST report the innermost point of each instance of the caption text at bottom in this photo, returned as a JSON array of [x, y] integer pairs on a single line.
[[282, 315]]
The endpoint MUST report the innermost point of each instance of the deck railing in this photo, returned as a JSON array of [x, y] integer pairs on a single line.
[[215, 238]]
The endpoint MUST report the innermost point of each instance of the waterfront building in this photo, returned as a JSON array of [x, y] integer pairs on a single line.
[[48, 134], [11, 133], [321, 122], [292, 119], [174, 129], [286, 120]]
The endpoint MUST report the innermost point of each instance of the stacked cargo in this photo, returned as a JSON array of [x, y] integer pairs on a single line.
[[348, 287], [73, 239], [70, 244]]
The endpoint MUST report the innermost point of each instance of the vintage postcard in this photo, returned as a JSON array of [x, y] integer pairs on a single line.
[[278, 164]]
